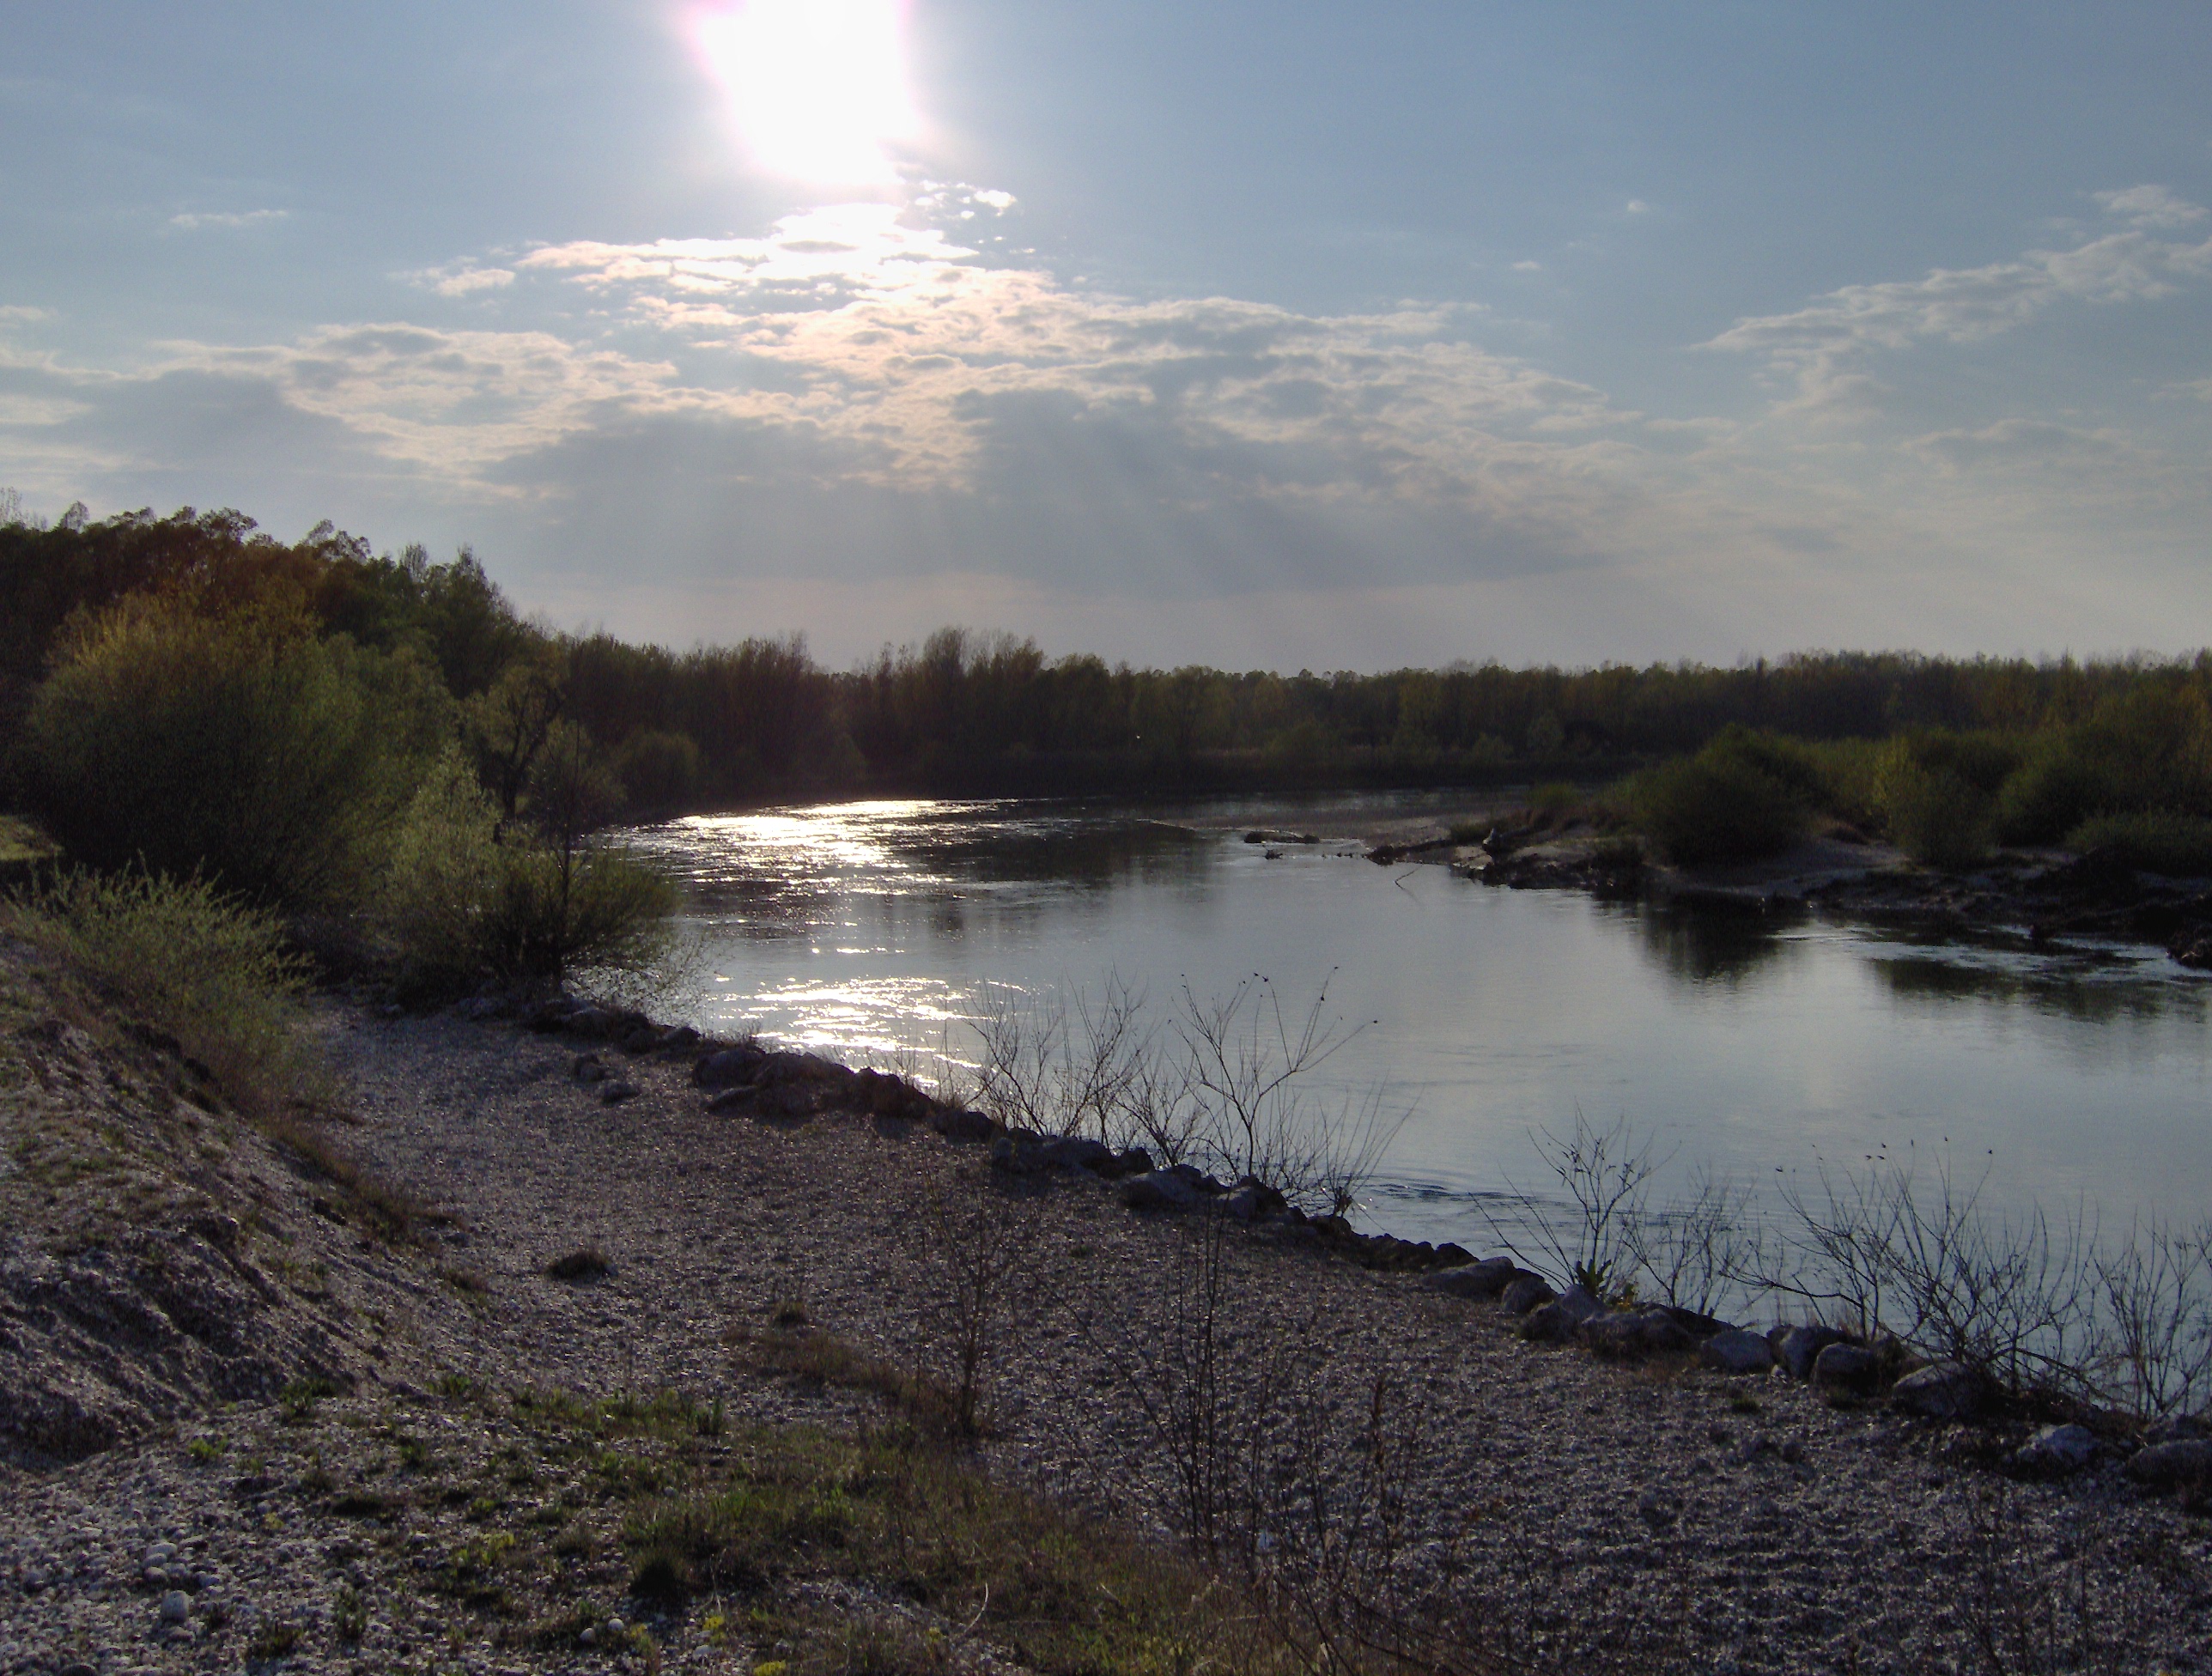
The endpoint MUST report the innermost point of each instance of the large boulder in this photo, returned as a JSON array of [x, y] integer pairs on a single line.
[[1179, 1187], [1844, 1372], [2056, 1451], [1524, 1291], [729, 1066], [1485, 1279], [1736, 1351], [1554, 1323], [1943, 1390], [1637, 1334], [2184, 1464], [1796, 1348], [956, 1125]]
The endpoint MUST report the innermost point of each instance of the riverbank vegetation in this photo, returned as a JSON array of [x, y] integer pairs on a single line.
[[1971, 751]]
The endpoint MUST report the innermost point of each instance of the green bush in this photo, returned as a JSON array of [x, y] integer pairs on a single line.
[[1716, 806], [464, 905], [2053, 793], [233, 747], [2178, 846], [1935, 817], [1935, 790], [207, 969]]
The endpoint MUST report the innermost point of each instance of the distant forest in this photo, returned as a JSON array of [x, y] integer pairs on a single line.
[[961, 713]]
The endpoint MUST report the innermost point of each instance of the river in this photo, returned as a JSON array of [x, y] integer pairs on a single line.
[[1757, 1047]]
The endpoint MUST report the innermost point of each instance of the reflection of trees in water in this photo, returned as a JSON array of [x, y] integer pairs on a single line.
[[1709, 943], [1084, 856], [2072, 991]]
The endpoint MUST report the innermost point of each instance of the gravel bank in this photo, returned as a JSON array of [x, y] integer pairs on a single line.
[[1725, 1524]]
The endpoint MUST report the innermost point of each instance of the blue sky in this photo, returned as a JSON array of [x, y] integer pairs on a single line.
[[1282, 334]]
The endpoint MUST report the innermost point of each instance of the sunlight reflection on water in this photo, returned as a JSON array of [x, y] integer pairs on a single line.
[[1749, 1044]]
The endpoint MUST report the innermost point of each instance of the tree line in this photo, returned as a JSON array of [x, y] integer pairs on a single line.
[[970, 713]]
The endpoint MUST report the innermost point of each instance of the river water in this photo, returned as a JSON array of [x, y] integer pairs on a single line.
[[2076, 1077]]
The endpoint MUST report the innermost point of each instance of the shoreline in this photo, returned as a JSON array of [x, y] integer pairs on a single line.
[[1796, 1535], [2041, 897]]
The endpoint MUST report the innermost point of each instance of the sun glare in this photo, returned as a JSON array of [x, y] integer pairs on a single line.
[[817, 88]]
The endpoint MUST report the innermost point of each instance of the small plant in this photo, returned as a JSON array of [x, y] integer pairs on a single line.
[[349, 1615], [300, 1397], [584, 1263], [203, 1451], [272, 1639]]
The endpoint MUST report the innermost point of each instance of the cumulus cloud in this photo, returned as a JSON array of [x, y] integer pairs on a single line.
[[2150, 206], [1822, 347]]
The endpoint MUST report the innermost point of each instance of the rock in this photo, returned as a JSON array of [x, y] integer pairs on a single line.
[[590, 1021], [1554, 1323], [616, 1092], [1173, 1189], [1943, 1390], [175, 1608], [2056, 1451], [640, 1038], [79, 1668], [1797, 1348], [1487, 1279], [2185, 1463], [1697, 1326], [1631, 1338], [679, 1039], [729, 1068], [481, 1009], [550, 1014], [1452, 1255], [1242, 1206], [1129, 1161], [1736, 1351], [969, 1125], [882, 1095], [1525, 1291], [1842, 1370], [588, 1068]]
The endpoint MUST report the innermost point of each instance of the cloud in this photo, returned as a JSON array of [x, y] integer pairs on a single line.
[[1821, 346], [2040, 444], [461, 280], [2150, 206], [192, 223]]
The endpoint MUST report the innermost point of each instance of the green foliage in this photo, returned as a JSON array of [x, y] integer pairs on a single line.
[[1728, 803], [658, 770], [464, 904], [207, 970], [228, 744], [1938, 793], [2178, 846]]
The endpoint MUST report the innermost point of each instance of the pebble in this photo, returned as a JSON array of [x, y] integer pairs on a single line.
[[175, 1607]]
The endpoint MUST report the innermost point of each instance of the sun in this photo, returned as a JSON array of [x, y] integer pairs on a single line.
[[817, 88]]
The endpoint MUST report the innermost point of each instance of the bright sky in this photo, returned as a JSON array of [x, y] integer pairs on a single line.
[[1281, 333]]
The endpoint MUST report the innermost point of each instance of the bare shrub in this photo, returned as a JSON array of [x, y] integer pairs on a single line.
[[1252, 1064], [2155, 1298], [975, 1252], [1606, 1175], [2010, 1295], [1058, 1064], [1697, 1252]]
